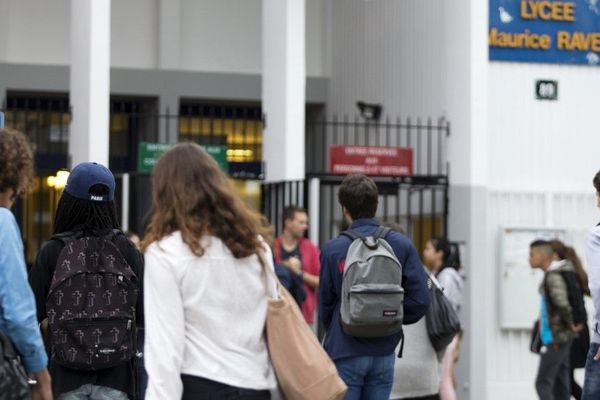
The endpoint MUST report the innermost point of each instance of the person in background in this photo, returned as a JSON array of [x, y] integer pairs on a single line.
[[205, 285], [442, 258], [134, 238], [142, 375], [17, 304], [591, 383], [366, 364], [300, 256], [578, 287], [417, 374], [86, 208], [556, 323]]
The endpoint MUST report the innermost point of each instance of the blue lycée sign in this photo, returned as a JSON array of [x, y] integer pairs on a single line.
[[545, 31]]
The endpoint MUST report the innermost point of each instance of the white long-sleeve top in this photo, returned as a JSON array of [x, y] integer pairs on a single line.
[[205, 316], [592, 255]]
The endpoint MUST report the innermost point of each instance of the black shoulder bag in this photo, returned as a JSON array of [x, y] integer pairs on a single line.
[[14, 384], [442, 322]]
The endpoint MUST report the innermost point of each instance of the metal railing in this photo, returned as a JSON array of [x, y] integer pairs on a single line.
[[427, 138]]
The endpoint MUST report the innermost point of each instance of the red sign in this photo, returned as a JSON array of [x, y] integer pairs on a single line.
[[376, 161]]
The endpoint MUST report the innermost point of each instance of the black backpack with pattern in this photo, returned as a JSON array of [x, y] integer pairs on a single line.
[[91, 304]]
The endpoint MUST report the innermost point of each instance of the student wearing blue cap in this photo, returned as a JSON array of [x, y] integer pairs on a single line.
[[88, 315]]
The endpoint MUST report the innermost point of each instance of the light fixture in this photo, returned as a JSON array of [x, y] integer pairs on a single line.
[[370, 112], [59, 181], [239, 153]]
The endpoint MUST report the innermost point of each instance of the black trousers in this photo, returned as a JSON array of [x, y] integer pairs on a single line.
[[196, 388], [553, 381]]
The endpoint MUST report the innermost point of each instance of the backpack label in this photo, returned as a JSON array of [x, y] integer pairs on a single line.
[[390, 313]]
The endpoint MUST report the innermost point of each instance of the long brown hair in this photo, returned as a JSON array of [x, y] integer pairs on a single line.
[[192, 195], [568, 253]]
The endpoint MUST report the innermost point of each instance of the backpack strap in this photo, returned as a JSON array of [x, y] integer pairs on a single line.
[[65, 237], [352, 234], [401, 351], [381, 232], [371, 243]]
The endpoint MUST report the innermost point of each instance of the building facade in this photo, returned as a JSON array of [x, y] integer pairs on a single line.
[[513, 160]]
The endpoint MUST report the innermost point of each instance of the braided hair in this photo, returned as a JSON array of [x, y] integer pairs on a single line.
[[73, 214]]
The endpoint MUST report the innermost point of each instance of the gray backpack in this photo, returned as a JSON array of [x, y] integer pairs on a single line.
[[372, 293]]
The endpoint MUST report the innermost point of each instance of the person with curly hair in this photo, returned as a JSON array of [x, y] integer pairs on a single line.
[[18, 319]]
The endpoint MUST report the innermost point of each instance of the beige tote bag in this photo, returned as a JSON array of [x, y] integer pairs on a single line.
[[303, 368]]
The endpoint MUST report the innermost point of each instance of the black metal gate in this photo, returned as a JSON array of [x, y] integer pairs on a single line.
[[417, 203]]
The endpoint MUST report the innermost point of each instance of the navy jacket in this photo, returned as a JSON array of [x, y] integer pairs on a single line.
[[414, 281]]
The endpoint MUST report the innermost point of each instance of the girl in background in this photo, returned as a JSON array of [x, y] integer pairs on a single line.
[[581, 343], [442, 258]]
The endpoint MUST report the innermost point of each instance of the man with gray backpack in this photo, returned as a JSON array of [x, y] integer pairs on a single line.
[[371, 283]]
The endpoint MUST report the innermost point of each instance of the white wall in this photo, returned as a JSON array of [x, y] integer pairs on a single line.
[[544, 156], [214, 35], [38, 32], [221, 35], [388, 52], [544, 145], [134, 37], [512, 368]]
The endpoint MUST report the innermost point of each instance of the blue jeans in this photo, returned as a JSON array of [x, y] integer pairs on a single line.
[[367, 378], [591, 382]]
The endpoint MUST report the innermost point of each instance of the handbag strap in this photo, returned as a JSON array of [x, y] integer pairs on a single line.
[[267, 272], [435, 282]]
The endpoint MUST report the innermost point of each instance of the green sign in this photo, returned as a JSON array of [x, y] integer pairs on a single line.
[[219, 153], [149, 153]]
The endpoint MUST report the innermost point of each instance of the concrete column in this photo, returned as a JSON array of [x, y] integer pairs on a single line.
[[466, 64], [125, 189], [89, 81], [168, 130], [169, 21], [283, 88]]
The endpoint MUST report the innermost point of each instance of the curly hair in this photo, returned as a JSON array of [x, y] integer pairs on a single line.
[[16, 161], [192, 195]]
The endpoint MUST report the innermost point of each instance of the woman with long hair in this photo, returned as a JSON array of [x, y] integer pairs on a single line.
[[205, 285], [443, 259], [581, 342], [86, 209]]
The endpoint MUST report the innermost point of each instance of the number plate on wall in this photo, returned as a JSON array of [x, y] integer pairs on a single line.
[[546, 90]]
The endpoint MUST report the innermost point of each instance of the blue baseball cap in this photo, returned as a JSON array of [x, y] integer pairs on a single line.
[[86, 175]]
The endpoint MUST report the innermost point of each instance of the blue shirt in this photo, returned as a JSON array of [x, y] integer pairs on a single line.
[[545, 332], [414, 281], [18, 319]]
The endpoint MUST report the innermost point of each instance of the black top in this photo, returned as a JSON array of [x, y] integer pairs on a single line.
[[40, 277], [289, 254]]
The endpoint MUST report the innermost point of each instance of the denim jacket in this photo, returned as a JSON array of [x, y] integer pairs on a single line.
[[18, 320]]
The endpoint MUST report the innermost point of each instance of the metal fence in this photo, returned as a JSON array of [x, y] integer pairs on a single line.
[[427, 138], [45, 119], [278, 195], [418, 204]]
